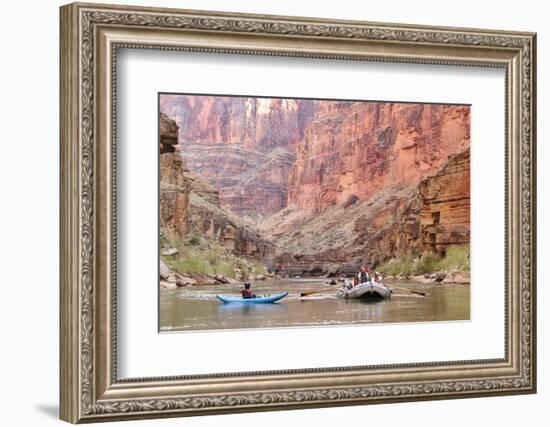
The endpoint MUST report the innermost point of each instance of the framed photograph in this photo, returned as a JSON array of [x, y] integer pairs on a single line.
[[266, 213], [312, 212]]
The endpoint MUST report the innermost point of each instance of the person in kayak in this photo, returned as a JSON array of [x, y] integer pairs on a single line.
[[364, 275], [247, 292]]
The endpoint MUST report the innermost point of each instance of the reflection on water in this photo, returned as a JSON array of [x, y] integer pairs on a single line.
[[196, 308]]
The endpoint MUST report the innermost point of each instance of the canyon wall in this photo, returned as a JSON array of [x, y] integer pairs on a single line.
[[428, 217], [174, 187], [355, 149], [190, 204], [435, 217], [263, 154], [249, 122], [244, 146], [445, 211], [373, 181], [320, 186]]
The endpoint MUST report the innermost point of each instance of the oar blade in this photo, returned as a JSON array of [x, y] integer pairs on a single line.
[[307, 293], [407, 290]]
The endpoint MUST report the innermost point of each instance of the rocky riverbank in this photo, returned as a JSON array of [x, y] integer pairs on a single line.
[[434, 278], [451, 267], [171, 277], [204, 261]]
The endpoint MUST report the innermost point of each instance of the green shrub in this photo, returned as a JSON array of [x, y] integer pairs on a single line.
[[223, 268], [203, 255], [428, 263], [457, 258], [193, 264], [258, 267], [216, 254], [395, 266], [194, 240]]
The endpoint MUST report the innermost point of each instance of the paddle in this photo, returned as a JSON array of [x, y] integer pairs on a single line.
[[405, 289], [306, 293]]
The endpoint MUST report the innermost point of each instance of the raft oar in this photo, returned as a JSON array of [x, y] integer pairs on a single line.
[[405, 289], [306, 293]]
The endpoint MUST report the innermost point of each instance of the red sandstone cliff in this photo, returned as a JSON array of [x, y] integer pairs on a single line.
[[265, 153], [244, 146], [372, 181], [250, 122], [174, 187], [427, 217], [357, 149], [434, 217]]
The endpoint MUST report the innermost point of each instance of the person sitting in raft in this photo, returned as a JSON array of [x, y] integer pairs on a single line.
[[247, 292], [364, 276]]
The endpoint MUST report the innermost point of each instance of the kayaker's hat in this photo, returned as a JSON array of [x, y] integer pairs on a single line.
[[247, 285]]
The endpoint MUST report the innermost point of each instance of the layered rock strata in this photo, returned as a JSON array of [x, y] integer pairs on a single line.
[[174, 186], [244, 146], [401, 220], [435, 217], [189, 203], [358, 149]]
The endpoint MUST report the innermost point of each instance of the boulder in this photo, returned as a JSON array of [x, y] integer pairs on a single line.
[[170, 252], [165, 271], [458, 277], [203, 280], [439, 277], [221, 278], [168, 130], [167, 285], [185, 281], [424, 278]]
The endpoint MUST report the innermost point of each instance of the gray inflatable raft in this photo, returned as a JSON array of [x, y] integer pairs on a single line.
[[369, 290]]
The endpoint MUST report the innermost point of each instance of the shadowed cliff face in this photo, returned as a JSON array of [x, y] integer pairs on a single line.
[[189, 203], [174, 187]]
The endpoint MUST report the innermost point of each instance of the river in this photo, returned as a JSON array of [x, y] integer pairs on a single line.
[[197, 308]]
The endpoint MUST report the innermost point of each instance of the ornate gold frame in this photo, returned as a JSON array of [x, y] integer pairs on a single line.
[[90, 36]]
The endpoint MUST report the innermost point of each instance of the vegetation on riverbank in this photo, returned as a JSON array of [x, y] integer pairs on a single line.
[[456, 259], [203, 256]]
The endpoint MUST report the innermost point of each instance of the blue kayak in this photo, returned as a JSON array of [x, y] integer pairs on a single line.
[[258, 300]]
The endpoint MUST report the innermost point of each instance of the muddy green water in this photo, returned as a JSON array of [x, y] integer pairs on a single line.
[[197, 308]]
